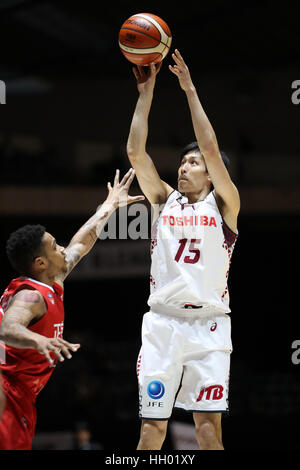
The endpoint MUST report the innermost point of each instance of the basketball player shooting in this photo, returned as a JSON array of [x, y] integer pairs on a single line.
[[186, 335], [32, 312]]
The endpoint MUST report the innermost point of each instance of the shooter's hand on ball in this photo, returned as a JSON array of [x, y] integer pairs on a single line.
[[146, 78], [180, 69]]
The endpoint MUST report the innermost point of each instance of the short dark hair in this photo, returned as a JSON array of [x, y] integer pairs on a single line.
[[195, 146], [23, 246]]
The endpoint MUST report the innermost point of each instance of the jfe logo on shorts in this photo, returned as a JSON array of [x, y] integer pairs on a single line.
[[156, 389]]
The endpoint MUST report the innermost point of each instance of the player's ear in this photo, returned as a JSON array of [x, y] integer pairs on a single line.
[[40, 263]]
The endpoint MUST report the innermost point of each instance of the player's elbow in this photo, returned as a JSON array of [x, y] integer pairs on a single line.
[[134, 153], [131, 151], [7, 329]]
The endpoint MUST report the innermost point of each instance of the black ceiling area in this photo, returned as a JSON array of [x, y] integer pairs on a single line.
[[50, 39]]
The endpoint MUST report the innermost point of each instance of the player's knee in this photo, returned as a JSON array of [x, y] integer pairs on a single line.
[[206, 432], [154, 428]]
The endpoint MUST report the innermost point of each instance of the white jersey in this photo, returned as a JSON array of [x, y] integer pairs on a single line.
[[191, 252]]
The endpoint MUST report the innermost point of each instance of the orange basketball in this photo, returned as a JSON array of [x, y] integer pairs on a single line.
[[144, 39]]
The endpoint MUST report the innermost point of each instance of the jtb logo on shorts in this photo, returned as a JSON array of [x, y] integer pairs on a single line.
[[217, 393]]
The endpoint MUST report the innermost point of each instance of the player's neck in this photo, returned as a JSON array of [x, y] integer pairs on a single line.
[[198, 196], [43, 277]]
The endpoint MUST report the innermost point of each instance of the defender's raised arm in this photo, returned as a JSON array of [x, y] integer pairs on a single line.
[[84, 240]]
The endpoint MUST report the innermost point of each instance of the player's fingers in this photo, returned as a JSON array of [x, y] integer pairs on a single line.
[[141, 71], [173, 70], [109, 186], [176, 59], [132, 199], [66, 352], [135, 72], [63, 347], [117, 177], [56, 350], [126, 177], [130, 179], [179, 56], [158, 66], [48, 357], [73, 346], [152, 68], [56, 345]]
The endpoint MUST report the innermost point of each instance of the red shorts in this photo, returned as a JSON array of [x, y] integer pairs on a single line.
[[18, 420]]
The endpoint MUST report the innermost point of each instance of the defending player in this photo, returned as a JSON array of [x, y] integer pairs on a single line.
[[186, 335], [33, 313]]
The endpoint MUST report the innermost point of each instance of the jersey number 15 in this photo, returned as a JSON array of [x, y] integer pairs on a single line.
[[192, 249]]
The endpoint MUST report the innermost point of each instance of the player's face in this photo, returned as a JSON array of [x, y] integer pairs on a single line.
[[192, 173], [54, 254]]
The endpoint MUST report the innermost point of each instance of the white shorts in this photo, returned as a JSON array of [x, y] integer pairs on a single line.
[[183, 362]]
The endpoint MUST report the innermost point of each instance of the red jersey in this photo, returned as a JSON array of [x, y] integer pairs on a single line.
[[28, 367]]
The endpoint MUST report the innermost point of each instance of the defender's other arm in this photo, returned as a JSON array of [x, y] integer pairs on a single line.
[[26, 307]]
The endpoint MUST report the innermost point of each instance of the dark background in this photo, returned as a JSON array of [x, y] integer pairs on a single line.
[[69, 91]]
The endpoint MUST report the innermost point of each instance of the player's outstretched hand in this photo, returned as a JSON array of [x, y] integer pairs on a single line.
[[58, 346], [118, 193], [180, 69]]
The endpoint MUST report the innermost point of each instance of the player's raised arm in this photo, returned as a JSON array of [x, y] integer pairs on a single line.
[[206, 139], [84, 240], [150, 183]]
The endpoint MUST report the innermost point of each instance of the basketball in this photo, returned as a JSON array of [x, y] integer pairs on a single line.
[[144, 39]]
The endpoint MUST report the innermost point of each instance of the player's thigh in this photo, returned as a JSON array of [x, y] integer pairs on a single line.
[[159, 367], [205, 383], [14, 434]]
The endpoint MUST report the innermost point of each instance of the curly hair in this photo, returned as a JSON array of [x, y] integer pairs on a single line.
[[23, 246]]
